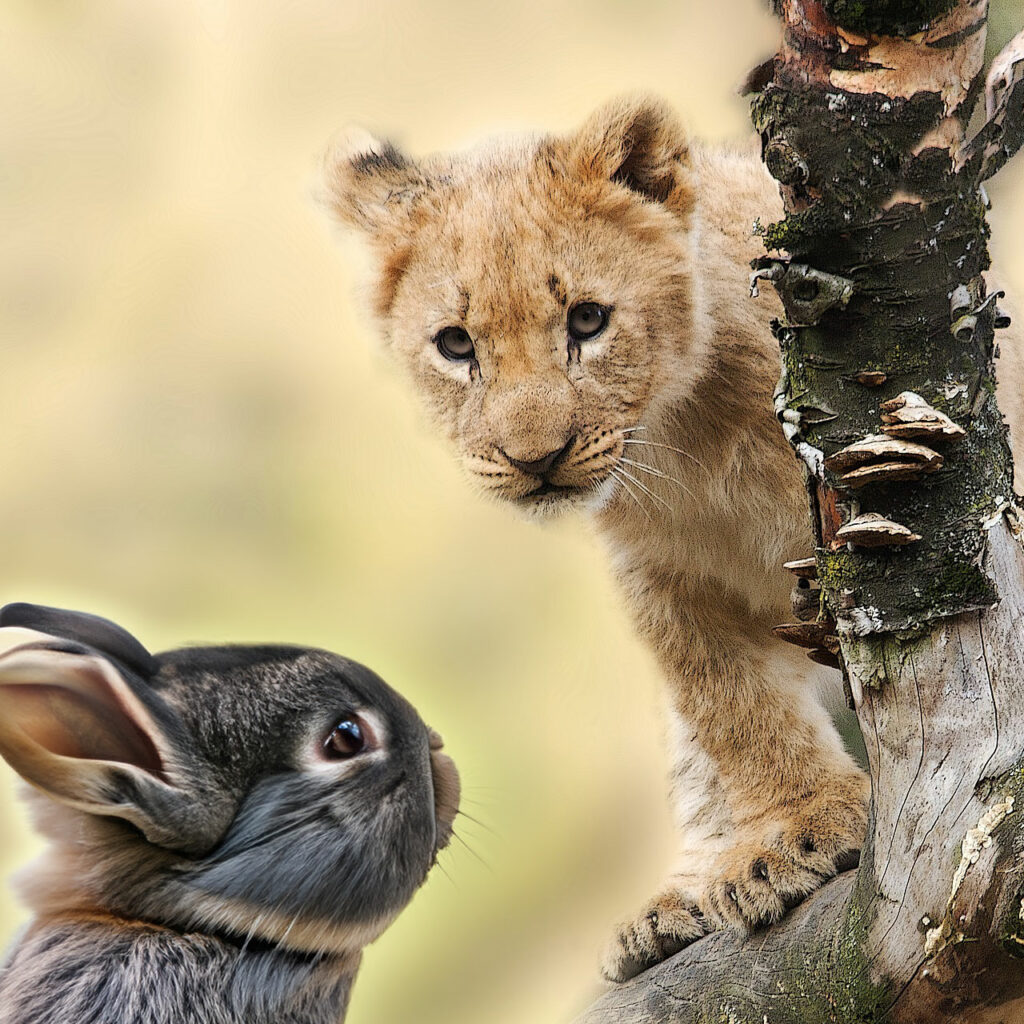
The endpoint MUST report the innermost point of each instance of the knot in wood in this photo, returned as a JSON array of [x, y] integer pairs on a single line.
[[785, 164], [808, 294]]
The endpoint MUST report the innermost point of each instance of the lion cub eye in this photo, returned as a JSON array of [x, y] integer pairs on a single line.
[[454, 344], [586, 320]]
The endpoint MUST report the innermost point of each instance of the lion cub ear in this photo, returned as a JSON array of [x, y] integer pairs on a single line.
[[637, 142], [370, 184]]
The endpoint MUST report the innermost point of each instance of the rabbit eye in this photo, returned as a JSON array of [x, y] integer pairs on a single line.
[[346, 740]]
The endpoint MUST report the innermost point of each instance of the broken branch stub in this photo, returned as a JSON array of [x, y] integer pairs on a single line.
[[1002, 135], [807, 293], [820, 656]]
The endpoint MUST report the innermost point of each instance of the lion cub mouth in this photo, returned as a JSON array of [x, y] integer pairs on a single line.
[[545, 488], [550, 497]]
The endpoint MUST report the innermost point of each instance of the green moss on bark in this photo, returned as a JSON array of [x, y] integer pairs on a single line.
[[905, 260], [887, 17], [812, 985]]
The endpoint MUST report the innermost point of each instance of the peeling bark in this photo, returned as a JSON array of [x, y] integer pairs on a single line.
[[888, 397]]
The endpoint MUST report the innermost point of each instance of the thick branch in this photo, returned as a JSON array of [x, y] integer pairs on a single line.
[[727, 973], [888, 398], [944, 865]]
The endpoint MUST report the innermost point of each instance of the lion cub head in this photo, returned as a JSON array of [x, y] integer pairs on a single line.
[[539, 292]]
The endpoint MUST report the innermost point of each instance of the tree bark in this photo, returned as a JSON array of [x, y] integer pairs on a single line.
[[888, 398]]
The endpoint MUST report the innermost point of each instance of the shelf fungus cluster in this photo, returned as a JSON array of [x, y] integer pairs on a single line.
[[880, 458], [897, 453], [816, 631], [909, 416], [871, 530]]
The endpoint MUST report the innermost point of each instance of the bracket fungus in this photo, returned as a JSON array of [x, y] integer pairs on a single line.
[[908, 415], [870, 378], [809, 634], [871, 530], [804, 568], [821, 656], [881, 459]]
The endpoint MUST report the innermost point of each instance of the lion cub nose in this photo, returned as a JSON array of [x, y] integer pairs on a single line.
[[543, 465]]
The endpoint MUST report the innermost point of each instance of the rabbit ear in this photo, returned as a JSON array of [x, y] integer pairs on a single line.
[[92, 630], [71, 725]]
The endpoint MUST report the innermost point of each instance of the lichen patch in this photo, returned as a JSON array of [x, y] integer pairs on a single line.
[[978, 838]]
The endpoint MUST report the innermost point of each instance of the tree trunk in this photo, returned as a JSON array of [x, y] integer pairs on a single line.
[[888, 397]]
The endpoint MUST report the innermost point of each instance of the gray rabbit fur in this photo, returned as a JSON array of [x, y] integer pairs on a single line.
[[228, 826]]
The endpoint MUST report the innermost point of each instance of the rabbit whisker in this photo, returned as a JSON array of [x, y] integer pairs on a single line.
[[476, 856], [440, 867], [477, 821]]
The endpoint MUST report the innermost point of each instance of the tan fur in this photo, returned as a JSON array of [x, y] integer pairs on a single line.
[[674, 450]]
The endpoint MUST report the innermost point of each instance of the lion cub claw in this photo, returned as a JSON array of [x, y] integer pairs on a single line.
[[664, 926], [753, 884]]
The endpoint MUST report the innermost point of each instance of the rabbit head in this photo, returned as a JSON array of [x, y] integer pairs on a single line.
[[269, 793]]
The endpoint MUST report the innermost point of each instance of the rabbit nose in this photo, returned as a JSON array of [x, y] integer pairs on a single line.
[[447, 793], [434, 740]]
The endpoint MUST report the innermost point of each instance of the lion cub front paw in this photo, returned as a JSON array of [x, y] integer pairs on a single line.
[[784, 858], [664, 926]]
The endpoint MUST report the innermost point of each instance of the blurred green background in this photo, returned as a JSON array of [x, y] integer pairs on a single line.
[[202, 440]]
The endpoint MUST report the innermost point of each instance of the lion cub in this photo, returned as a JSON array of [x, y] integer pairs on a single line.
[[573, 311]]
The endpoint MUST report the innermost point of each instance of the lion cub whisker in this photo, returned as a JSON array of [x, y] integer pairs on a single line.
[[671, 448], [643, 487], [658, 473], [629, 490]]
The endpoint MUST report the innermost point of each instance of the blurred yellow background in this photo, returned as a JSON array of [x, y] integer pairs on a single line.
[[202, 440]]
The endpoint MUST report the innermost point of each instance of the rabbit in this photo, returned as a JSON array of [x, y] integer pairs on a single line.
[[228, 826]]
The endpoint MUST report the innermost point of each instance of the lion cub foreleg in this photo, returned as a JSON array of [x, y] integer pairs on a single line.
[[768, 802]]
